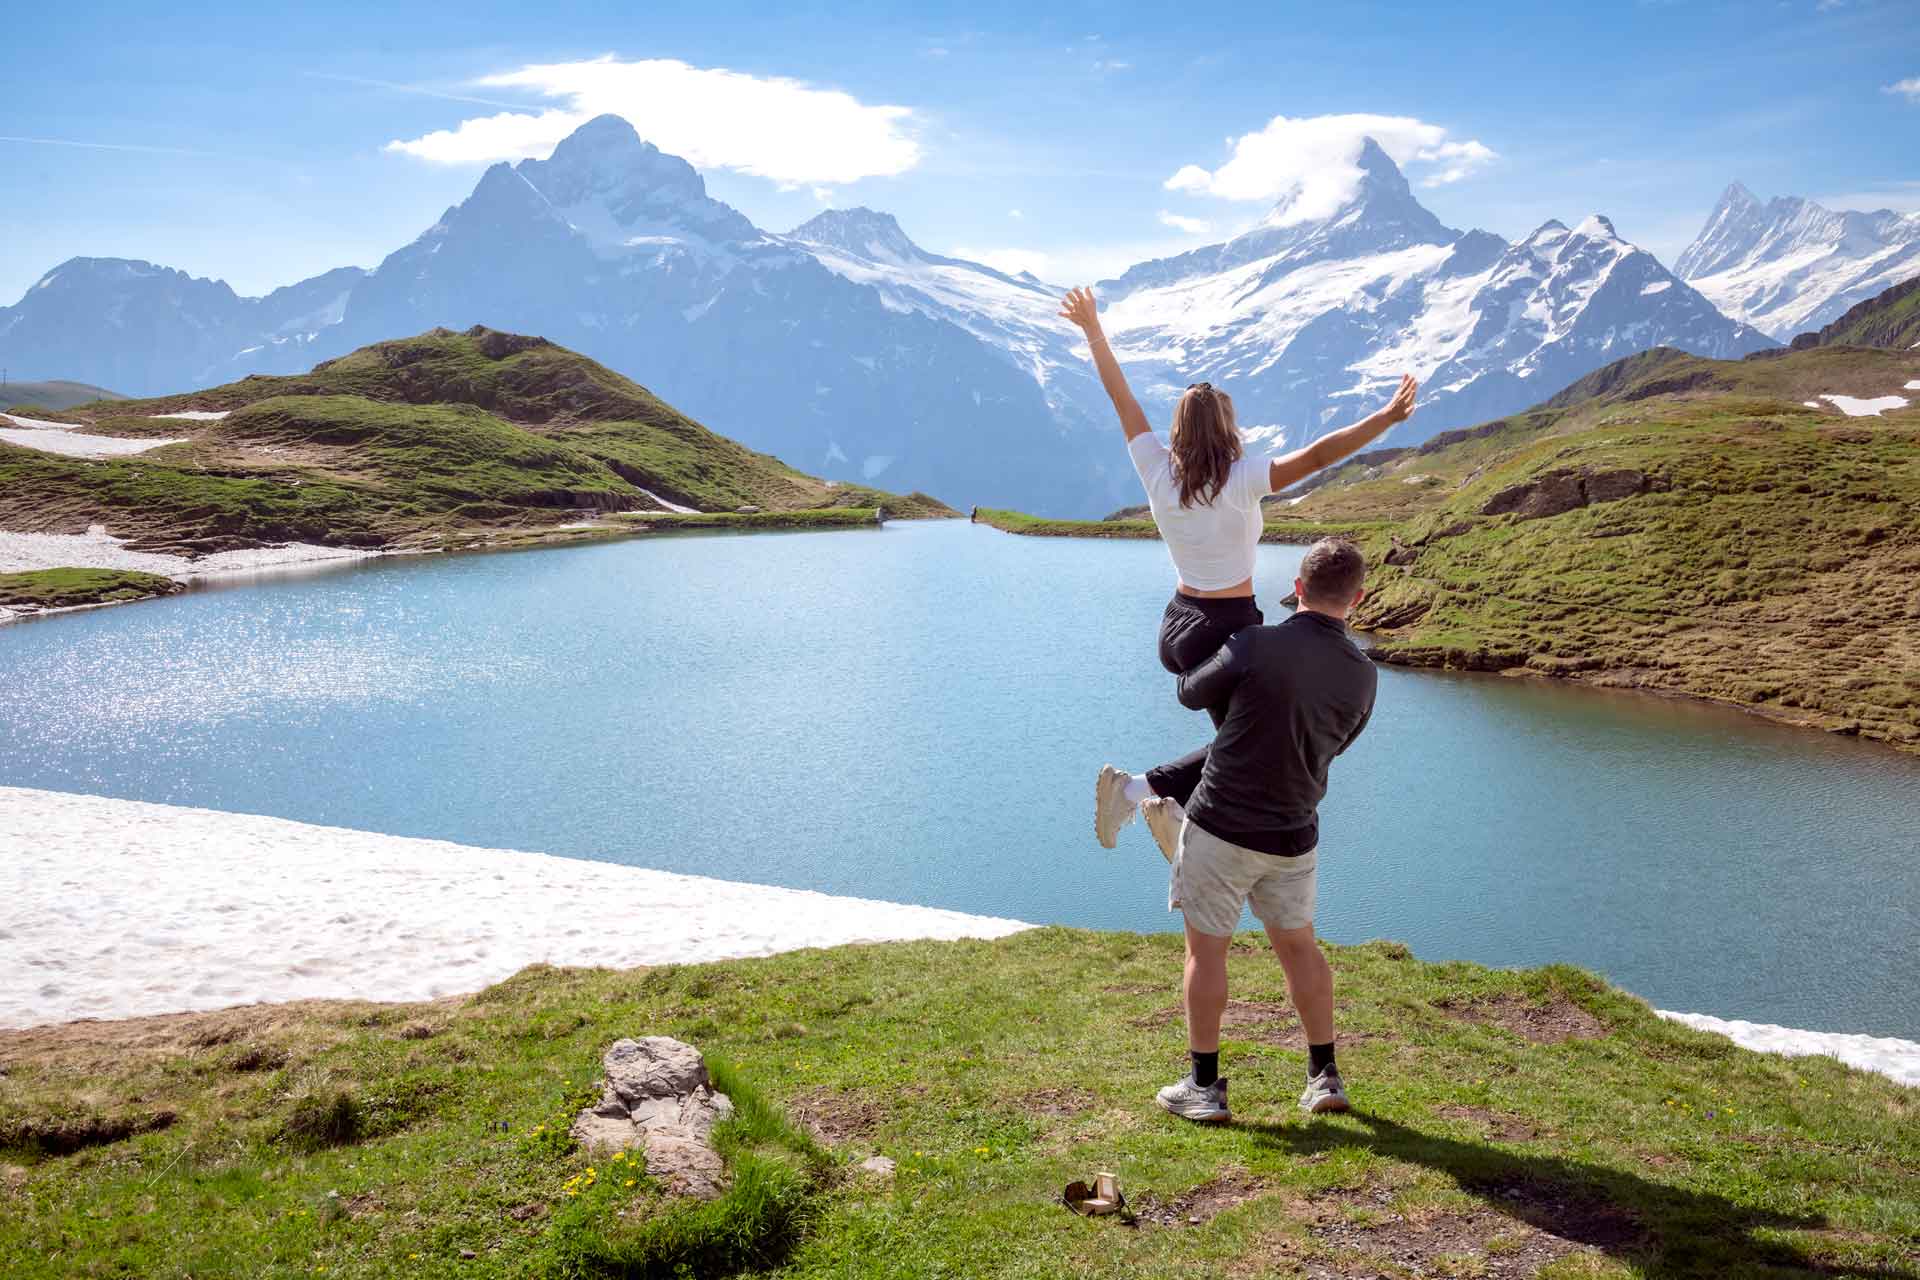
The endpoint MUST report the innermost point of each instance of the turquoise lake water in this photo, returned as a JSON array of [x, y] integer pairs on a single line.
[[917, 713]]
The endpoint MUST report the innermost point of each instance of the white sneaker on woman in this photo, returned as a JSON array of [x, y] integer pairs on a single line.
[[1110, 808]]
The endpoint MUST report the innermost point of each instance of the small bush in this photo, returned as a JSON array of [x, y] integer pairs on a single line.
[[330, 1118]]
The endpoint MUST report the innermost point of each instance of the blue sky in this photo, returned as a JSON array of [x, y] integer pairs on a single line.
[[256, 146]]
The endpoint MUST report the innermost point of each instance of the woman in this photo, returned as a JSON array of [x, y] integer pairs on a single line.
[[1205, 495]]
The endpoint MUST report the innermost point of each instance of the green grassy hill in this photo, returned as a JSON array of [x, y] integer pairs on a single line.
[[1891, 320], [1709, 528], [55, 394], [1534, 1123], [425, 441]]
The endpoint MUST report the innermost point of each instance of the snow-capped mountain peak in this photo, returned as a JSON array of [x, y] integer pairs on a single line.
[[861, 233], [1790, 264]]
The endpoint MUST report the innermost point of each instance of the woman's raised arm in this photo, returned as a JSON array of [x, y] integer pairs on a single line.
[[1079, 307], [1292, 468]]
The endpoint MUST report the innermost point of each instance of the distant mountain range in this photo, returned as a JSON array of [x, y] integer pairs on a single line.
[[848, 350], [1789, 265]]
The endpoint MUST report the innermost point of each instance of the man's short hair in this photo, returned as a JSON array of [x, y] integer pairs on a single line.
[[1332, 572]]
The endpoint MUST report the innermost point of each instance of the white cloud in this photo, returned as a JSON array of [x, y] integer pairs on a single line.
[[1192, 226], [1111, 64], [1015, 213], [768, 126], [1310, 162], [1908, 88]]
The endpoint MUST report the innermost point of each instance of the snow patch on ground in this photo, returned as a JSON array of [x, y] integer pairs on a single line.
[[202, 415], [61, 438], [116, 908], [98, 549], [1855, 408], [1912, 386], [669, 506], [1896, 1059]]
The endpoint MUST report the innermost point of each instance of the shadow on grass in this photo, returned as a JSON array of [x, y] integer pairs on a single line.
[[1666, 1232]]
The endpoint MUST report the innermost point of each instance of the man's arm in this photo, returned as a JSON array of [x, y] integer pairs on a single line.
[[1209, 684], [1359, 728], [1079, 307], [1337, 445]]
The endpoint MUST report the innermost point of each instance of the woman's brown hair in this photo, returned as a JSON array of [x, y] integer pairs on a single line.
[[1205, 441]]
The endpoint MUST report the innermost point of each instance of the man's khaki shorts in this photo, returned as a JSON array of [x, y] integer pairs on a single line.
[[1213, 879]]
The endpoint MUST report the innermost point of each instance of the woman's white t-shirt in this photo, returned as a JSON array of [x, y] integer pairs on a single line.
[[1211, 545]]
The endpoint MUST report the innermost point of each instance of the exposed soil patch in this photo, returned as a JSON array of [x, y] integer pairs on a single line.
[[834, 1116], [1057, 1103], [1501, 1126], [1199, 1205], [64, 1135], [419, 1031], [524, 1212], [92, 1046], [1262, 1021], [1478, 1243], [257, 1057], [1557, 1020]]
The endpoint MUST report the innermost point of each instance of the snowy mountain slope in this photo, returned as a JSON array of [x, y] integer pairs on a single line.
[[1310, 323], [1017, 316], [151, 329], [613, 248], [1789, 265]]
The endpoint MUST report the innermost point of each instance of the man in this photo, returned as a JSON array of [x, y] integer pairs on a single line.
[[1297, 695]]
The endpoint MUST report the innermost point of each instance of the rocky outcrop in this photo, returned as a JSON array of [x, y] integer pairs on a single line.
[[1553, 493], [657, 1097]]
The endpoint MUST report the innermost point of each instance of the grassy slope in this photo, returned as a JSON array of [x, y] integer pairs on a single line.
[[55, 394], [67, 588], [364, 1140], [1776, 565], [410, 443], [1891, 320]]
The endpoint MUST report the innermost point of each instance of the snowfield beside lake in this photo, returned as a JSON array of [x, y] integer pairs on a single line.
[[117, 908], [98, 549]]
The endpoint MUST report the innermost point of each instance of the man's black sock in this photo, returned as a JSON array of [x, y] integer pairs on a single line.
[[1319, 1058], [1206, 1067]]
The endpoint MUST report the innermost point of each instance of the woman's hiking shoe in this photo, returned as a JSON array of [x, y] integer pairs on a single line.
[[1324, 1093], [1200, 1104], [1164, 817], [1110, 808]]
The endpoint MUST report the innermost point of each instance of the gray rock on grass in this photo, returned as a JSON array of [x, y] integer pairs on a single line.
[[657, 1097]]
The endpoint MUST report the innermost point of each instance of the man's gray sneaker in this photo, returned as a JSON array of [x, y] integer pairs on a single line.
[[1164, 817], [1190, 1101], [1110, 808], [1324, 1093]]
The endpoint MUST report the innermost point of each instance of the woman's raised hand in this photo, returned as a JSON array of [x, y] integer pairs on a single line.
[[1400, 408], [1079, 307]]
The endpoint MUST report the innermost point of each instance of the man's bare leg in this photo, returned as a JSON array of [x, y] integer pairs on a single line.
[[1202, 1096], [1309, 980], [1310, 984], [1206, 989]]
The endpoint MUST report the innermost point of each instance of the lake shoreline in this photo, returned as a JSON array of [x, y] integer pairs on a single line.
[[99, 550], [364, 916]]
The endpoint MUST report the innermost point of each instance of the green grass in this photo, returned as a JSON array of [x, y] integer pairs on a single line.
[[1891, 320], [993, 1073], [437, 441], [67, 588]]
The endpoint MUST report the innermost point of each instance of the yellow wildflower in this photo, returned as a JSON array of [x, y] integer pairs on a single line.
[[632, 1183]]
